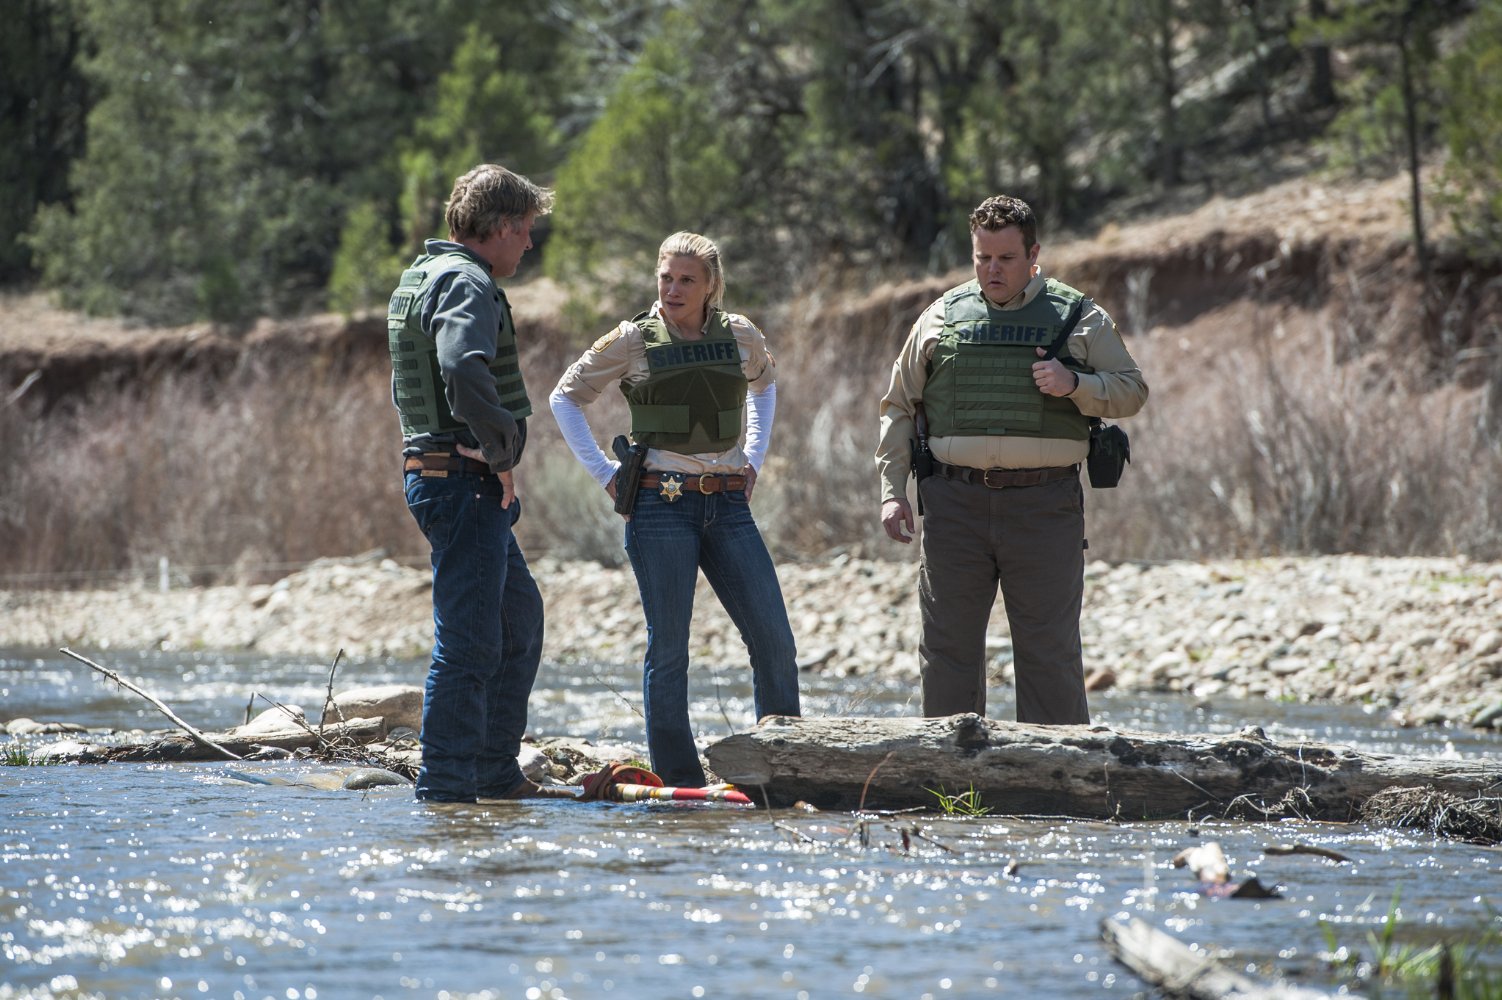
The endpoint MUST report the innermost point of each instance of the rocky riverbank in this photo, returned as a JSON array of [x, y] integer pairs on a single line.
[[1419, 638]]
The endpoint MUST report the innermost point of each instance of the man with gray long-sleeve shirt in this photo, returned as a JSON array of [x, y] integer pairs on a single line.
[[457, 385]]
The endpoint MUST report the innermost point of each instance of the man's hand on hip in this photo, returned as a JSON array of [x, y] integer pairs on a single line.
[[897, 518], [508, 489]]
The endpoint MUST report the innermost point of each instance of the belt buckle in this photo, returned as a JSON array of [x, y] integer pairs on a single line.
[[702, 490], [671, 488], [985, 479]]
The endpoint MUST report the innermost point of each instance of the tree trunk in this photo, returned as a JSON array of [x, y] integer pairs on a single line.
[[1411, 129], [1171, 143], [1321, 77], [1075, 771]]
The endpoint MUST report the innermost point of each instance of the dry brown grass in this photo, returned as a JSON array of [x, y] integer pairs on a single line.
[[237, 480]]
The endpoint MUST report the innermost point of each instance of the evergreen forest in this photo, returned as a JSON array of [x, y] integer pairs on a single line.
[[221, 160]]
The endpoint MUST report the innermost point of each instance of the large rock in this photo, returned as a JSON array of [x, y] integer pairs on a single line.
[[63, 751], [273, 721], [396, 704], [534, 763]]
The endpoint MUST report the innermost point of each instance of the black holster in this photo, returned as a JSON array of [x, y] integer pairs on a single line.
[[921, 459], [923, 466], [1110, 451], [633, 459]]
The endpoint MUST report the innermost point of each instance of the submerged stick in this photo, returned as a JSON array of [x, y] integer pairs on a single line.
[[1319, 852], [198, 737], [1164, 961]]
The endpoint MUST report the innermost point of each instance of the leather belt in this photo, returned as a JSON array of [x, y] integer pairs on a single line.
[[440, 464], [998, 479], [707, 483]]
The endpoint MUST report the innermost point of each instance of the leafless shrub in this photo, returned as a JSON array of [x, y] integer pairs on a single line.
[[1290, 455], [565, 513], [242, 478]]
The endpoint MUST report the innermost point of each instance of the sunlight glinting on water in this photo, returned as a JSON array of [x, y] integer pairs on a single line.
[[158, 880]]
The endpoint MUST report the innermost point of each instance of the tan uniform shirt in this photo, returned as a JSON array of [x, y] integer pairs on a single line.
[[1115, 389], [621, 357]]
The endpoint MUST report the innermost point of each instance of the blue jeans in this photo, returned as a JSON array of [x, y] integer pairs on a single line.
[[487, 638], [668, 544]]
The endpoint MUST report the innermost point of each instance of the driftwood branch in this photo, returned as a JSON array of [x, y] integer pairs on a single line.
[[328, 697], [1182, 971], [197, 736], [1072, 771]]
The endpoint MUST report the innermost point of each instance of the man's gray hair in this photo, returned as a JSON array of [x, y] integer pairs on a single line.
[[489, 197]]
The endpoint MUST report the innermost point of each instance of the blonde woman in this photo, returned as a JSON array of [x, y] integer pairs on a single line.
[[699, 382]]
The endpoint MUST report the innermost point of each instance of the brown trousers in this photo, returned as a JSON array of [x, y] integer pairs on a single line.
[[1029, 540]]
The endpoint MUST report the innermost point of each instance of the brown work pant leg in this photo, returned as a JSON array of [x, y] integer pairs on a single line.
[[956, 588], [1041, 559], [1031, 540]]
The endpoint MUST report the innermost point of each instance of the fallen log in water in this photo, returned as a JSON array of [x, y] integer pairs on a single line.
[[281, 730], [182, 748], [1079, 771], [1179, 970]]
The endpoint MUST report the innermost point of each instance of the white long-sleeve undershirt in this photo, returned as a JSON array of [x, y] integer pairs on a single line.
[[761, 411]]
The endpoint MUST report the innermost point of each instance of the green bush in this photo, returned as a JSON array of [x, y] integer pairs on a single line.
[[366, 268], [1471, 126]]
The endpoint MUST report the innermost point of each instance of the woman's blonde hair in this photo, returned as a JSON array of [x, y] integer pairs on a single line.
[[701, 248]]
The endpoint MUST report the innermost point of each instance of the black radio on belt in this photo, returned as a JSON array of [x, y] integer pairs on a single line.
[[1110, 451]]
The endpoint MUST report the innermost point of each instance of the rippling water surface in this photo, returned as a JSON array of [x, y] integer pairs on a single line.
[[181, 881]]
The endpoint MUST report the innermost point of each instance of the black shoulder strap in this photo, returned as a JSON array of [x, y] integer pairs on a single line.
[[1070, 321]]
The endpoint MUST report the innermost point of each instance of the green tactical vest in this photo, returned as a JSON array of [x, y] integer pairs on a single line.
[[692, 398], [980, 378], [417, 383]]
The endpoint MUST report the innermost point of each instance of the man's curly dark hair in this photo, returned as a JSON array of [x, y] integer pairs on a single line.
[[1000, 211]]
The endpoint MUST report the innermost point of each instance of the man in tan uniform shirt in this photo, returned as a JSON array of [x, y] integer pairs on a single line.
[[1005, 505]]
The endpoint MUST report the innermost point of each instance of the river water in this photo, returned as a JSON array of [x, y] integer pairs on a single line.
[[181, 881]]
